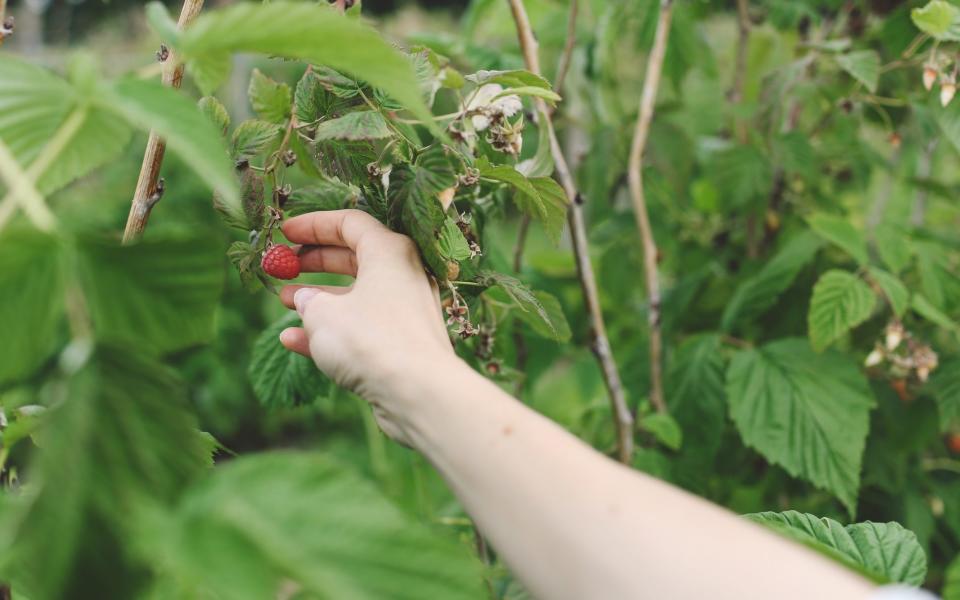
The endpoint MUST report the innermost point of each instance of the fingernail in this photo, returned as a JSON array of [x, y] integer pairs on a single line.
[[286, 335], [302, 298]]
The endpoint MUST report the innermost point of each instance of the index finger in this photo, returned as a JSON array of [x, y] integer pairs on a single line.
[[345, 227]]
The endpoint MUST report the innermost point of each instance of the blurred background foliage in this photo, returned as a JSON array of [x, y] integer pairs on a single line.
[[732, 180]]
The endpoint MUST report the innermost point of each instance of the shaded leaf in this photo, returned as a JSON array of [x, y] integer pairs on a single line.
[[695, 393], [664, 428], [945, 385], [841, 232], [359, 125], [280, 377], [253, 137], [862, 65], [322, 194]]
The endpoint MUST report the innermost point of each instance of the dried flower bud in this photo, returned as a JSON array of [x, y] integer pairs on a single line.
[[929, 77], [471, 177], [282, 194], [894, 335], [163, 53], [453, 269], [6, 28], [289, 157]]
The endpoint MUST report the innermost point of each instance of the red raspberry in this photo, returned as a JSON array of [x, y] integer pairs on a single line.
[[281, 262], [953, 443]]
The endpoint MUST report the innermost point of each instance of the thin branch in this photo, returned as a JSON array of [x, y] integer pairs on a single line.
[[22, 188], [578, 232], [146, 194], [740, 67], [635, 178], [564, 64]]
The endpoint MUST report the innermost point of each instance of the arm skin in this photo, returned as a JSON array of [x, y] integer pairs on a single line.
[[569, 522]]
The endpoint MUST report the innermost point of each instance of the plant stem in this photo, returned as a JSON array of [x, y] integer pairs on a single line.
[[623, 419], [740, 68], [23, 190], [564, 65], [146, 194], [635, 178]]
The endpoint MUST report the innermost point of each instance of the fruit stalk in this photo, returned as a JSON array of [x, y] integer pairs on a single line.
[[623, 419]]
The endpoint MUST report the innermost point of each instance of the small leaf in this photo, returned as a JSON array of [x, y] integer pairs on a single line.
[[253, 137], [515, 78], [539, 92], [269, 99], [841, 232], [159, 19], [945, 385], [322, 194], [840, 302], [280, 377], [541, 165], [664, 428], [453, 245], [538, 309], [928, 311], [862, 65], [893, 246], [359, 125], [696, 395], [894, 291], [939, 19], [216, 112], [539, 197]]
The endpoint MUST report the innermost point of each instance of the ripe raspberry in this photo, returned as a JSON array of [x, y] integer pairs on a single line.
[[281, 262], [953, 443]]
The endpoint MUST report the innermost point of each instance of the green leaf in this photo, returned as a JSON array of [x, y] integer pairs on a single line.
[[939, 19], [254, 137], [31, 301], [508, 79], [310, 32], [322, 194], [270, 99], [216, 112], [539, 92], [839, 231], [280, 377], [893, 246], [885, 552], [538, 309], [359, 125], [121, 441], [311, 99], [303, 520], [540, 197], [159, 19], [928, 311], [894, 291], [862, 65], [840, 302], [695, 392], [742, 173], [453, 245], [160, 293], [945, 385], [664, 428], [187, 132], [541, 165], [951, 586], [760, 292], [806, 412]]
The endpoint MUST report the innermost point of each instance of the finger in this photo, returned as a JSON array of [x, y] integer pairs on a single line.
[[332, 228], [328, 259], [288, 292], [295, 339]]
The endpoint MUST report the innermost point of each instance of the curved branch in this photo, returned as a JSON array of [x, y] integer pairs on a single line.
[[564, 64], [578, 232], [648, 99]]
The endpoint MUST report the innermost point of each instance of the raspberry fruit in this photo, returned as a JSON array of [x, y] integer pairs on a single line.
[[281, 262], [953, 443]]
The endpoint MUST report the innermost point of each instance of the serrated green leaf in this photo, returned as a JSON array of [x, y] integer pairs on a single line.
[[170, 290], [323, 194], [310, 32], [539, 197], [541, 165], [664, 428], [270, 99], [894, 291], [358, 125], [841, 232], [945, 385], [453, 245], [862, 65], [939, 19], [280, 377], [311, 99], [893, 246], [30, 270], [538, 92], [538, 309], [369, 550], [885, 552], [514, 78], [840, 302], [928, 311], [742, 174], [804, 411], [214, 110], [758, 293], [695, 393], [254, 137], [122, 437]]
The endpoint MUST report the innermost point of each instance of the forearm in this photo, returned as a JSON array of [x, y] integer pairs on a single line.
[[571, 523]]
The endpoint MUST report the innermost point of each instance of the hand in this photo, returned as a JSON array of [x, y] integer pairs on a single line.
[[372, 336]]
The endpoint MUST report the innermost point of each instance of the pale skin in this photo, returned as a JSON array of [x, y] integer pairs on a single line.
[[569, 522]]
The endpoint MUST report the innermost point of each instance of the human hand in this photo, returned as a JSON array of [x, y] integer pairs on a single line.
[[376, 334]]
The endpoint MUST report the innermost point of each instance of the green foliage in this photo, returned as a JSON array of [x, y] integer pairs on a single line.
[[864, 66], [885, 552], [270, 99], [938, 18], [804, 411], [280, 377], [359, 125], [841, 301]]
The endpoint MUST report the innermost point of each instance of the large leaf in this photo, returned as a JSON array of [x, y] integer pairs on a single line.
[[945, 384], [358, 125], [886, 552], [804, 411], [696, 395], [159, 293], [939, 19], [311, 32], [266, 523], [31, 301], [280, 377], [187, 132], [841, 232], [122, 440], [760, 292], [840, 302], [862, 65], [322, 194]]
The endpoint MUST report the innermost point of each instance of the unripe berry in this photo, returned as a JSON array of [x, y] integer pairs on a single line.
[[947, 91], [929, 77], [281, 262]]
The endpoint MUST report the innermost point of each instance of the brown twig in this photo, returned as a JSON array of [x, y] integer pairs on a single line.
[[578, 232], [740, 67], [635, 178], [148, 189], [564, 65]]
